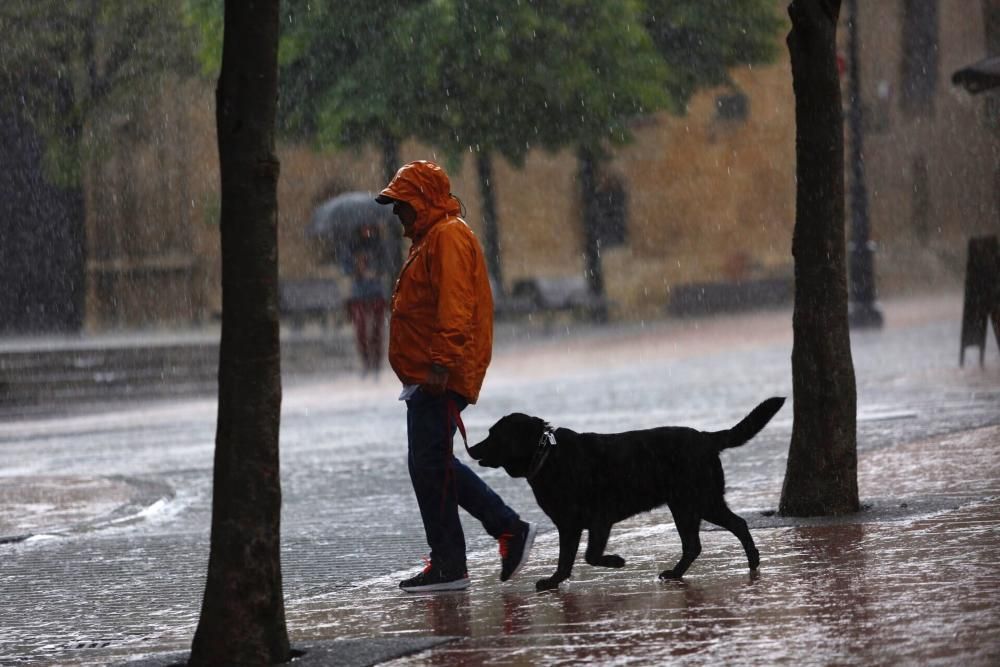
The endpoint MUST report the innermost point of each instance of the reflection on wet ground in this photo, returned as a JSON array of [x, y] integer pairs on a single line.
[[905, 591], [43, 507], [915, 579]]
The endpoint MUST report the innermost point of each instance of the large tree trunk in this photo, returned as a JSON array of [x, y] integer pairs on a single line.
[[243, 616], [821, 477], [491, 231], [991, 19]]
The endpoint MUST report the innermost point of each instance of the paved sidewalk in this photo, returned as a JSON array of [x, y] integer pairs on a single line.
[[913, 579]]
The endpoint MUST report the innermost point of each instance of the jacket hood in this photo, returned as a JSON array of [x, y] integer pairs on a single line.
[[424, 186]]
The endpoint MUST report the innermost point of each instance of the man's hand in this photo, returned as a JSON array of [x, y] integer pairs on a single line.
[[437, 380]]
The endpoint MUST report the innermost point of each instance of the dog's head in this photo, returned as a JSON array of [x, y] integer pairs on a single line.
[[511, 444]]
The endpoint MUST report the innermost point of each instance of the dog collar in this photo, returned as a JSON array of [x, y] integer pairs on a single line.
[[546, 444]]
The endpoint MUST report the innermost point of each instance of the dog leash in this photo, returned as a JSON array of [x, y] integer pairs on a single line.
[[456, 416], [545, 444]]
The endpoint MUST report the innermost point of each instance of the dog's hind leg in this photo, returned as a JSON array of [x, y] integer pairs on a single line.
[[725, 518], [597, 540], [569, 543], [688, 523]]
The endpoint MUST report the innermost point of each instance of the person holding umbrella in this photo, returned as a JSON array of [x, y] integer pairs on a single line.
[[440, 345], [354, 232], [366, 265]]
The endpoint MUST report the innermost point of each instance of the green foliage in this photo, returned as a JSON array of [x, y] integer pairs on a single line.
[[207, 17], [701, 40], [498, 75], [543, 73], [70, 67], [490, 75], [380, 90], [338, 84]]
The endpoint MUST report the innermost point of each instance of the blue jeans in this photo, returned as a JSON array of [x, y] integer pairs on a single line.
[[442, 483]]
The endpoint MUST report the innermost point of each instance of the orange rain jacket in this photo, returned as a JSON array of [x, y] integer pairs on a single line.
[[442, 305]]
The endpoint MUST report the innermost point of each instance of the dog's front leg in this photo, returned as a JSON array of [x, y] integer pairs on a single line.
[[597, 541], [569, 542]]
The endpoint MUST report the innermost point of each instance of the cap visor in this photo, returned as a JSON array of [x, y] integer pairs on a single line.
[[384, 199]]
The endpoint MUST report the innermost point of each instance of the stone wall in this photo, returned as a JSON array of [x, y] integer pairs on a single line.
[[710, 194], [929, 171]]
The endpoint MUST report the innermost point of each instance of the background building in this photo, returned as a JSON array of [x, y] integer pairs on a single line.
[[704, 197]]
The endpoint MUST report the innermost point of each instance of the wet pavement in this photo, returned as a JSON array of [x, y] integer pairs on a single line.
[[105, 514]]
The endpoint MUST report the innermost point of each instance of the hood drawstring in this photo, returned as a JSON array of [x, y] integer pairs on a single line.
[[461, 204]]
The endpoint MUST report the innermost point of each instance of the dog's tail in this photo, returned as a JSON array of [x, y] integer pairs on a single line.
[[750, 425]]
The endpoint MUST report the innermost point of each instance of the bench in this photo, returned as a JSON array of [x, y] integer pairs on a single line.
[[551, 295], [312, 298], [695, 299]]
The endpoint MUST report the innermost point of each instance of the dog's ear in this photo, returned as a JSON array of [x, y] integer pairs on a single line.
[[540, 426], [528, 432], [523, 426], [511, 443]]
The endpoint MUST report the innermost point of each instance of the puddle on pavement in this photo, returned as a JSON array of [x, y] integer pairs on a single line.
[[61, 505], [872, 510]]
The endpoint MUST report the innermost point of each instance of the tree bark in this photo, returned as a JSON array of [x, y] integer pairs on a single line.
[[491, 231], [821, 474], [991, 20], [242, 616]]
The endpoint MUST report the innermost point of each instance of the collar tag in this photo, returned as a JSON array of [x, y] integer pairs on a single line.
[[545, 445]]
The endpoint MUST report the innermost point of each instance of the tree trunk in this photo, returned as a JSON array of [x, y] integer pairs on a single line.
[[390, 156], [862, 311], [67, 264], [593, 269], [991, 20], [491, 232], [821, 477], [242, 616], [390, 164], [41, 239]]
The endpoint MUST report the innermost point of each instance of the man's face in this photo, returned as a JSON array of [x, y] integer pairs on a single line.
[[406, 214]]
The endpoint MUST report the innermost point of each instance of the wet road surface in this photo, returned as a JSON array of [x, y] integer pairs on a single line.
[[117, 506]]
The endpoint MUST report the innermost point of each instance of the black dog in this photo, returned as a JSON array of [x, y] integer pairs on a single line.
[[590, 481]]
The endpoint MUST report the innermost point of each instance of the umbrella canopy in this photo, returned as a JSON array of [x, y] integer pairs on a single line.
[[979, 77], [346, 213], [336, 222]]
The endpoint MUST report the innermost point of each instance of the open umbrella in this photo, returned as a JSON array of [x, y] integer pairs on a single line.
[[980, 76], [336, 222]]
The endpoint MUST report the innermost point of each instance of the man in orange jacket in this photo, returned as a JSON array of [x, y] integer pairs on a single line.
[[440, 344]]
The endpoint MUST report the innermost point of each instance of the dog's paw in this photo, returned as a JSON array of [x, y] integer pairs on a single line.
[[669, 575], [549, 584], [754, 559], [612, 560]]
